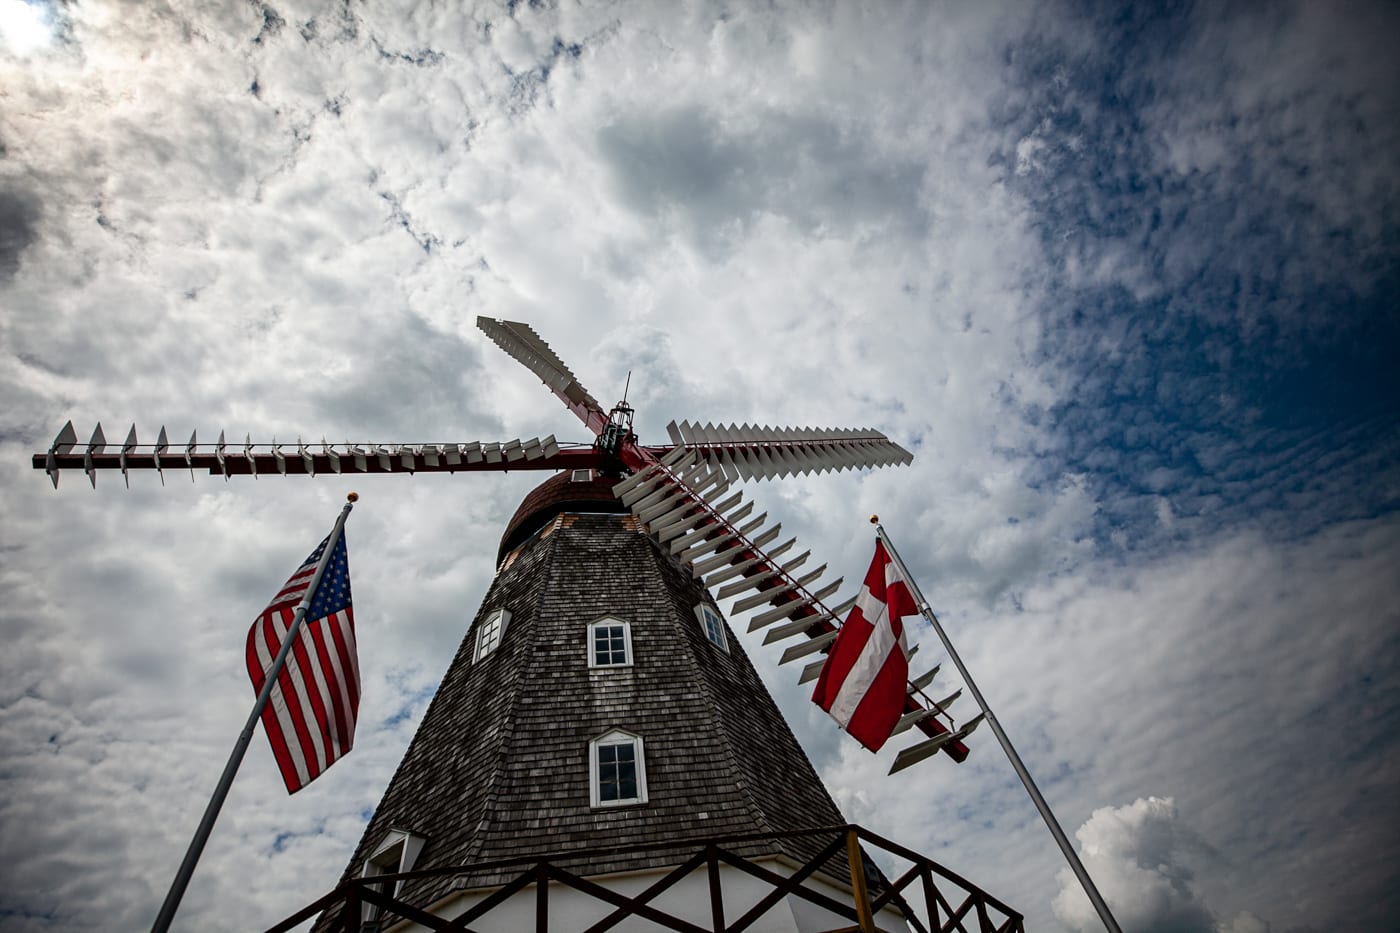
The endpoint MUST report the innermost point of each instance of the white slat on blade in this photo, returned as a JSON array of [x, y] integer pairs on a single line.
[[645, 493], [727, 504], [764, 619], [757, 599], [720, 559], [648, 476], [676, 455], [810, 672], [738, 586], [705, 546], [189, 455], [691, 502], [909, 719], [917, 753], [788, 629], [947, 701], [769, 535], [923, 680], [680, 526], [670, 496], [128, 447], [698, 539], [811, 646], [726, 464], [306, 458], [729, 573]]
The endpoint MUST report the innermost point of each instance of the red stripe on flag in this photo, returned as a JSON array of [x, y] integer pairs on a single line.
[[335, 725]]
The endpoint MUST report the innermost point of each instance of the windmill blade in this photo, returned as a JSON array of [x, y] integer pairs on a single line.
[[62, 443], [221, 459], [521, 342], [736, 561], [947, 739], [768, 453]]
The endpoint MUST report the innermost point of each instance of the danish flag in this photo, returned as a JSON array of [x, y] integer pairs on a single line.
[[310, 716], [862, 684]]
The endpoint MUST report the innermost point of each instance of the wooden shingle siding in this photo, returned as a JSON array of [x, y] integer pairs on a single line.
[[499, 766]]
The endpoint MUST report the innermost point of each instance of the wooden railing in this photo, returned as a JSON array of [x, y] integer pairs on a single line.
[[950, 902]]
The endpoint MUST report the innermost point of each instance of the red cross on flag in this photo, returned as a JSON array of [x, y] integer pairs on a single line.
[[862, 684]]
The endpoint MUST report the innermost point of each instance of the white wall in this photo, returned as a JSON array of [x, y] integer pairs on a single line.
[[688, 899]]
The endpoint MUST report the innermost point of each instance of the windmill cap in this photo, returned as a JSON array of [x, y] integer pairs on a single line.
[[560, 493]]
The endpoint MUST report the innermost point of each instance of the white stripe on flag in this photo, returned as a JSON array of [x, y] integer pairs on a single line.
[[338, 679], [304, 710], [872, 657], [279, 704], [323, 690], [348, 634]]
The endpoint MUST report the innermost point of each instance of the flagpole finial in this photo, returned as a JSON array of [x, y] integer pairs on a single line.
[[353, 497], [874, 519]]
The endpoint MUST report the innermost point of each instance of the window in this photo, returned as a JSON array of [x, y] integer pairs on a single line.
[[490, 632], [581, 476], [713, 625], [395, 854], [609, 643], [617, 770]]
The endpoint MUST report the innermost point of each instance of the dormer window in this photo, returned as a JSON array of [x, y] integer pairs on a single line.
[[581, 476], [490, 632], [617, 769], [712, 624], [609, 643], [395, 854]]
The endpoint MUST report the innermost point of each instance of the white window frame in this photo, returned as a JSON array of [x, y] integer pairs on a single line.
[[723, 640], [586, 477], [490, 633], [614, 738], [626, 643], [397, 853]]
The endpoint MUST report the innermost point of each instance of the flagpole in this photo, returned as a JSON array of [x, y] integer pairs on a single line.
[[1070, 856], [216, 802]]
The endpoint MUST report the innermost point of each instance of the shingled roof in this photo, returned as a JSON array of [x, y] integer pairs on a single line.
[[499, 766]]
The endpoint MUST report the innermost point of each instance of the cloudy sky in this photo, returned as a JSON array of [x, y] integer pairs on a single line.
[[1124, 280]]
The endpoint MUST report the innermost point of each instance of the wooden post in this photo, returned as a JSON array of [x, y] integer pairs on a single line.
[[858, 891], [716, 891], [541, 898]]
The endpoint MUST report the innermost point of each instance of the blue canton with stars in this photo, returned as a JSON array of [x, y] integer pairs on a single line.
[[333, 595]]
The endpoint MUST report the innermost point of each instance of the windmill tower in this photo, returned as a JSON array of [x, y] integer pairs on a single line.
[[602, 753]]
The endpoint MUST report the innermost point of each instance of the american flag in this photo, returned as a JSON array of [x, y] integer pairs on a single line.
[[310, 716]]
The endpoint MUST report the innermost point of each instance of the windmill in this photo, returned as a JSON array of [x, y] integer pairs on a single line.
[[599, 733]]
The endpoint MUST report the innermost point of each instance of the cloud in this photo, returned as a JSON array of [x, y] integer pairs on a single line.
[[1140, 857], [19, 216], [1144, 859]]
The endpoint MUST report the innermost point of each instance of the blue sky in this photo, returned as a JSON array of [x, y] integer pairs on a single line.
[[1123, 278]]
